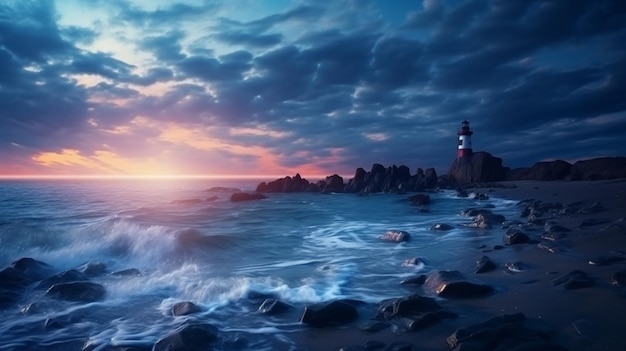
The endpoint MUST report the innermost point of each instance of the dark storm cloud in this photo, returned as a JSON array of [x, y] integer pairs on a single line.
[[35, 39], [328, 81]]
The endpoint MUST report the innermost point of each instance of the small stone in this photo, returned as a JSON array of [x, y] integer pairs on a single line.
[[395, 236]]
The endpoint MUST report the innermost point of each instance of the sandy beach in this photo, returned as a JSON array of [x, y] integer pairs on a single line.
[[586, 317]]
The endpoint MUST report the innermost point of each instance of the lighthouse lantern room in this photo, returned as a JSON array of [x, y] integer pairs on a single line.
[[465, 140]]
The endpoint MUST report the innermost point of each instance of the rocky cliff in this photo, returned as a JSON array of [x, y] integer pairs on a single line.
[[481, 167]]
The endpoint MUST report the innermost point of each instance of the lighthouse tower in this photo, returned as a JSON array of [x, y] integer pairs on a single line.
[[465, 141]]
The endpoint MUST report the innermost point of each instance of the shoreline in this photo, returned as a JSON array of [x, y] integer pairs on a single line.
[[580, 319]]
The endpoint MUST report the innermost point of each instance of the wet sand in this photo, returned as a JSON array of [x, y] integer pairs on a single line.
[[600, 309]]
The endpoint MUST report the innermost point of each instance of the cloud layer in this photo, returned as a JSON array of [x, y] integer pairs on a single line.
[[133, 87]]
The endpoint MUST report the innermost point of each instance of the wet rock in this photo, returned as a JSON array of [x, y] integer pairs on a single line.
[[414, 280], [184, 308], [506, 332], [239, 197], [71, 275], [619, 278], [33, 269], [77, 291], [441, 227], [413, 312], [575, 279], [412, 262], [420, 199], [395, 236], [460, 192], [484, 330], [273, 306], [452, 284], [329, 314], [480, 196], [92, 269], [485, 219], [192, 337], [484, 264], [515, 236]]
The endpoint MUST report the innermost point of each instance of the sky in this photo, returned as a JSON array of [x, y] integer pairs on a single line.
[[275, 87]]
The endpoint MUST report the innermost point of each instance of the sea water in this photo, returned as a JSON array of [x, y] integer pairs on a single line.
[[191, 243]]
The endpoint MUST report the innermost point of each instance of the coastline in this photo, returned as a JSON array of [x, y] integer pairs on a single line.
[[579, 319]]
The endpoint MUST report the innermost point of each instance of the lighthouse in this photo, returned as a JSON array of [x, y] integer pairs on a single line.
[[465, 141]]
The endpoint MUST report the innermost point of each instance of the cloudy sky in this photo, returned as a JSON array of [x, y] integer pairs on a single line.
[[275, 87]]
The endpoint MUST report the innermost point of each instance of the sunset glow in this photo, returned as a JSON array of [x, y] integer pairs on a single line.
[[213, 88]]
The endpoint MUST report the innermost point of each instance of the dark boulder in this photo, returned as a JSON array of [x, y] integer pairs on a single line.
[[329, 314], [32, 268], [413, 312], [599, 168], [484, 264], [506, 332], [395, 236], [485, 219], [192, 337], [239, 197], [515, 236], [575, 279], [419, 199], [184, 308], [77, 291], [452, 284]]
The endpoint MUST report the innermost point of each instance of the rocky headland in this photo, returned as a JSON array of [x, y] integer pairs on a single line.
[[482, 169]]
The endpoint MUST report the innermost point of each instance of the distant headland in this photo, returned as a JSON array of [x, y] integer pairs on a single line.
[[478, 168], [469, 168]]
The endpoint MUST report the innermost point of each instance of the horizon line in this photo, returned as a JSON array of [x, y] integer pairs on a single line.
[[149, 176]]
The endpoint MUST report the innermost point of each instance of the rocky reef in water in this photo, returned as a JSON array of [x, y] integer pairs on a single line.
[[394, 179], [482, 167]]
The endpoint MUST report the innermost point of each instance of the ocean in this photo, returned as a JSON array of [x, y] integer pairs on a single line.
[[191, 243]]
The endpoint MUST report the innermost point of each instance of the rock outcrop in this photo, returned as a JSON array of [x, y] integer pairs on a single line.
[[592, 169], [481, 167], [599, 168]]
